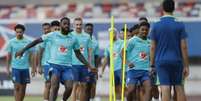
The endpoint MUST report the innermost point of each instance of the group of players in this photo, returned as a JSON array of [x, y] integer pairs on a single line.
[[71, 57]]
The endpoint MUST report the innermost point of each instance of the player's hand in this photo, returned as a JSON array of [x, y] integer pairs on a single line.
[[40, 70], [19, 54], [93, 69], [8, 72], [186, 72], [131, 65], [101, 74], [152, 71]]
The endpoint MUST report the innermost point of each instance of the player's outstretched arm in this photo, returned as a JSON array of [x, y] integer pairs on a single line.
[[30, 45], [84, 61]]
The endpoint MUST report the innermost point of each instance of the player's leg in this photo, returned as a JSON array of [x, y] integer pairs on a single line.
[[165, 90], [131, 82], [17, 91], [76, 75], [176, 77], [141, 93], [46, 90], [164, 74], [25, 78], [154, 92], [54, 87], [93, 79], [55, 78], [138, 91], [75, 93], [130, 91], [68, 89], [22, 91], [16, 81], [67, 77], [154, 87], [47, 83], [117, 77], [93, 91], [146, 86], [85, 85]]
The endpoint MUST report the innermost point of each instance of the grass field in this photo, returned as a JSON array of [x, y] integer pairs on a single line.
[[31, 98]]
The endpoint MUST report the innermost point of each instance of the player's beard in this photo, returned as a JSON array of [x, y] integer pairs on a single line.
[[65, 30]]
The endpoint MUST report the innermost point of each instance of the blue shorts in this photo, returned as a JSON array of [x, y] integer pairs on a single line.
[[136, 77], [20, 76], [93, 77], [64, 73], [170, 73], [81, 73], [46, 70], [117, 77]]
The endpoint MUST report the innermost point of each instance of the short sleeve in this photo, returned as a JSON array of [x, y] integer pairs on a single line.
[[48, 36], [130, 46], [9, 47], [183, 34], [76, 45], [152, 34]]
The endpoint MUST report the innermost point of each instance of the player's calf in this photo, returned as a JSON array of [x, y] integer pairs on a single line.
[[47, 90], [54, 88], [147, 89], [130, 91], [68, 89], [17, 92]]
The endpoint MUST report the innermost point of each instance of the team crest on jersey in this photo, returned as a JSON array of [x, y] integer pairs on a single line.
[[63, 49], [82, 49], [143, 55]]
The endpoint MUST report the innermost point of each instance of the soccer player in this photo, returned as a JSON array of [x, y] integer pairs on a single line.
[[138, 63], [63, 43], [128, 34], [169, 54], [43, 56], [143, 19], [55, 25], [134, 30], [118, 45], [20, 67], [94, 58], [80, 71]]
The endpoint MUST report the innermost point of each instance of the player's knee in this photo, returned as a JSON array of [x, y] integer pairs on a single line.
[[130, 90], [47, 85], [69, 87], [54, 86], [147, 88], [17, 88], [179, 89]]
